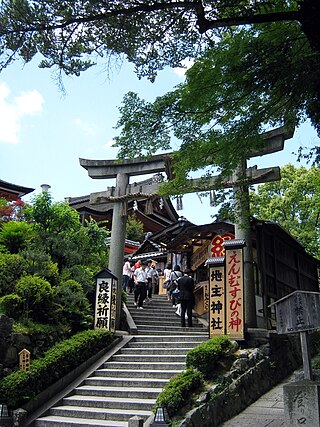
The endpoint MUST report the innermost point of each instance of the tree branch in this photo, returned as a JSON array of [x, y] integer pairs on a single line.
[[205, 24]]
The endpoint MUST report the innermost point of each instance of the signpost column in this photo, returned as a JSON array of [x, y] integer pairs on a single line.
[[299, 312]]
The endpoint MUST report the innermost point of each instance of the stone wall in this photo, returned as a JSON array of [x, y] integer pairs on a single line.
[[255, 371], [11, 343]]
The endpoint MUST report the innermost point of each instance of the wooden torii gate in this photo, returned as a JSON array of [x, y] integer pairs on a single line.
[[123, 191]]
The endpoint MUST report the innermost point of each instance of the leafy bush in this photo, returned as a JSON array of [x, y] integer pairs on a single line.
[[12, 267], [21, 386], [177, 392], [36, 294], [11, 305], [14, 235], [72, 306], [205, 356]]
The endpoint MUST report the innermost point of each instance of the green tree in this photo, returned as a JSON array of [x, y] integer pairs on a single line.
[[134, 229], [153, 34], [61, 235], [258, 56], [248, 82], [293, 202], [15, 235]]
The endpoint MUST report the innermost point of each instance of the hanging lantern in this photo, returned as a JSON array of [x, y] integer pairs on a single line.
[[135, 205], [212, 198], [179, 203], [124, 208], [149, 208], [161, 203]]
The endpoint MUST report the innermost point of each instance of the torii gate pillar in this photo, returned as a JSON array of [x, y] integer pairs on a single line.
[[103, 169], [118, 236]]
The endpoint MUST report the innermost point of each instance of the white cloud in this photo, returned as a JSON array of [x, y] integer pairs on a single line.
[[84, 127], [186, 64], [11, 112]]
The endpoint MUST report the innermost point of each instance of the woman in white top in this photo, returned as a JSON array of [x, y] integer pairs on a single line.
[[126, 274], [166, 273]]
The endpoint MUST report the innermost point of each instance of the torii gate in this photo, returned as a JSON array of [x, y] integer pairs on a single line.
[[123, 191]]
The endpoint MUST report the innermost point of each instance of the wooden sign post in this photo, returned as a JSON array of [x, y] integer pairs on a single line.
[[24, 360], [299, 312]]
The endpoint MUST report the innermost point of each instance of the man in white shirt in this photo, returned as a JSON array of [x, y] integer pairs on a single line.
[[140, 280]]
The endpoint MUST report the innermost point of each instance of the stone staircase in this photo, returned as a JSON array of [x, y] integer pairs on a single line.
[[128, 383]]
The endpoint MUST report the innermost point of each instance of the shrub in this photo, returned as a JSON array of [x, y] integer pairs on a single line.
[[36, 295], [21, 386], [205, 356], [72, 306], [14, 235], [12, 266], [176, 394], [11, 305]]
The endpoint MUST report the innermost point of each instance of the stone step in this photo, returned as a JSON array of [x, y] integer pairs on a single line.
[[111, 402], [134, 373], [168, 329], [147, 358], [163, 323], [126, 382], [129, 383], [99, 413], [151, 332], [140, 366], [133, 392], [167, 340], [143, 350], [54, 421], [158, 315]]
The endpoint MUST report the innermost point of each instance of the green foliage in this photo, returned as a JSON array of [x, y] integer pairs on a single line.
[[19, 387], [294, 203], [39, 262], [36, 294], [11, 269], [177, 393], [14, 235], [81, 274], [11, 305], [61, 235], [71, 306], [250, 80], [134, 229], [205, 356]]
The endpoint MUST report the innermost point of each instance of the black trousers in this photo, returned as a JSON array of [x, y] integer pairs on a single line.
[[149, 287], [140, 293], [186, 307]]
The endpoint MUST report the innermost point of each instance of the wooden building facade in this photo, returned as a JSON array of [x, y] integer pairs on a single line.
[[280, 263]]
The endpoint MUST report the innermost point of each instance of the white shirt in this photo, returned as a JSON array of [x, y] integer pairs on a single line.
[[126, 270], [140, 275]]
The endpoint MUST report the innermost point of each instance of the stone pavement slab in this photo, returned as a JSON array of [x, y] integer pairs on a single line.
[[268, 411]]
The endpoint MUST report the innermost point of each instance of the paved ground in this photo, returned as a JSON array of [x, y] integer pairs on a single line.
[[265, 412]]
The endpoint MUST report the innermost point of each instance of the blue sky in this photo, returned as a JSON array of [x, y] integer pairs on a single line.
[[44, 132]]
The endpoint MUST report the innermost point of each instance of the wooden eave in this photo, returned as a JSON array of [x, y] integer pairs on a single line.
[[13, 189], [197, 235]]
